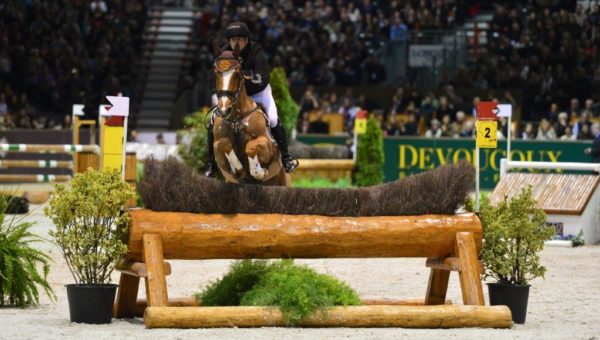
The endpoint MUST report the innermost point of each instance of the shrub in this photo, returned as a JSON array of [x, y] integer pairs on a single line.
[[229, 290], [193, 149], [91, 223], [514, 232], [369, 156], [287, 109], [19, 262], [297, 290]]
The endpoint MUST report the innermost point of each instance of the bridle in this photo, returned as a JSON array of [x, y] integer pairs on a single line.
[[232, 95]]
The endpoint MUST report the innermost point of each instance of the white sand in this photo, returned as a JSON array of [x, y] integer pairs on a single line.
[[563, 306]]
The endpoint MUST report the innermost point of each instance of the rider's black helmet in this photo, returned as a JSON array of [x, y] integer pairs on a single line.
[[237, 29]]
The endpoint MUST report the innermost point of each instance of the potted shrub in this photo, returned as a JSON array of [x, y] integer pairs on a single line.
[[90, 222], [20, 261], [514, 232]]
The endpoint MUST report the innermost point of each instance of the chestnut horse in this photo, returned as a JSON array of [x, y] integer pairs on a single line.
[[244, 149]]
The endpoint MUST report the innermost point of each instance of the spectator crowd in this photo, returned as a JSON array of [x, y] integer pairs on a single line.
[[444, 114], [57, 53], [318, 42]]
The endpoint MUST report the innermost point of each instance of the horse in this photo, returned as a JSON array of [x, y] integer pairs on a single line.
[[245, 151]]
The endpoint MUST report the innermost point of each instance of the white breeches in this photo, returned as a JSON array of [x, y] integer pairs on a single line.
[[265, 98]]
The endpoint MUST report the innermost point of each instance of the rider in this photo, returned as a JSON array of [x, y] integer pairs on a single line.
[[256, 74]]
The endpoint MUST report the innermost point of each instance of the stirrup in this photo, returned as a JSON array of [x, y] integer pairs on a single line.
[[210, 169], [290, 163]]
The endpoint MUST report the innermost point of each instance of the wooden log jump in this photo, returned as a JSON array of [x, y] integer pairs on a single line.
[[142, 304], [36, 164], [49, 148], [445, 316], [450, 243]]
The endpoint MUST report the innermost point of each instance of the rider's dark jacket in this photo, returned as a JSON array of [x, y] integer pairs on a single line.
[[253, 58]]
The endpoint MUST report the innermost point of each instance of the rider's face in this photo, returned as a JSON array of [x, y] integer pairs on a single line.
[[240, 41]]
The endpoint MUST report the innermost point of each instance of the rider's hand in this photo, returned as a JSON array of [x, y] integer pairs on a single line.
[[248, 74]]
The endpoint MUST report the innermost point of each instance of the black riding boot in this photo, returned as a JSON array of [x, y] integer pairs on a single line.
[[210, 169], [289, 162]]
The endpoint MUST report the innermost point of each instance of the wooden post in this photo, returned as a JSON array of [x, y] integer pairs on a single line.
[[470, 274], [437, 287], [156, 282], [127, 296]]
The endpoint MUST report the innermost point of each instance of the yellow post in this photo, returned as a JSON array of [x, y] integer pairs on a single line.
[[113, 132]]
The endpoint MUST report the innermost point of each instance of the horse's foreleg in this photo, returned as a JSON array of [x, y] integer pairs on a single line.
[[259, 151], [225, 156]]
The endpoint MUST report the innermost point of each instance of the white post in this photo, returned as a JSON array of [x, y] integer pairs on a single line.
[[508, 139], [503, 165], [476, 177], [355, 146]]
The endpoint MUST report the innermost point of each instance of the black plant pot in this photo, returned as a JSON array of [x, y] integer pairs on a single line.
[[513, 296], [91, 303]]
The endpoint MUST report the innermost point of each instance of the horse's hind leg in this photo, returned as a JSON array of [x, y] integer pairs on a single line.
[[226, 158], [259, 151]]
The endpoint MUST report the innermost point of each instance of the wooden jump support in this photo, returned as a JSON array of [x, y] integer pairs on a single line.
[[36, 164], [34, 178], [450, 243], [331, 169], [49, 148]]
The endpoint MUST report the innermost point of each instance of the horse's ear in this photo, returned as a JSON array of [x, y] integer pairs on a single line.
[[236, 51]]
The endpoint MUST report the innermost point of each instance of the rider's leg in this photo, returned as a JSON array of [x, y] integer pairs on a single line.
[[210, 168], [265, 98]]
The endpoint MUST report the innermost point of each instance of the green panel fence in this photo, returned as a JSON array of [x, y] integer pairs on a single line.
[[407, 156]]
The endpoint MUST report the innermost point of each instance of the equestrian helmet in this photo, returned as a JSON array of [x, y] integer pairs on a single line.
[[237, 29]]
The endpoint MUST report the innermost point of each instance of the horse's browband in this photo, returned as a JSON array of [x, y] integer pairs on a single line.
[[225, 63]]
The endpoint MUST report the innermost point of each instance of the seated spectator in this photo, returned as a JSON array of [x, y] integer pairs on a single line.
[[36, 124], [426, 109], [395, 127], [446, 126], [553, 113], [468, 129], [334, 103], [435, 131], [545, 131], [528, 133], [444, 108], [588, 107], [309, 100], [574, 109], [411, 127], [568, 135], [562, 124], [585, 133], [399, 102], [584, 120], [457, 126], [67, 123]]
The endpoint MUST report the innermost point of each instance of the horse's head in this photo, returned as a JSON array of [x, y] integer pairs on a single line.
[[229, 82]]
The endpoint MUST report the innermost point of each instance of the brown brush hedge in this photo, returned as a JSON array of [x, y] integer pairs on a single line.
[[173, 186]]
